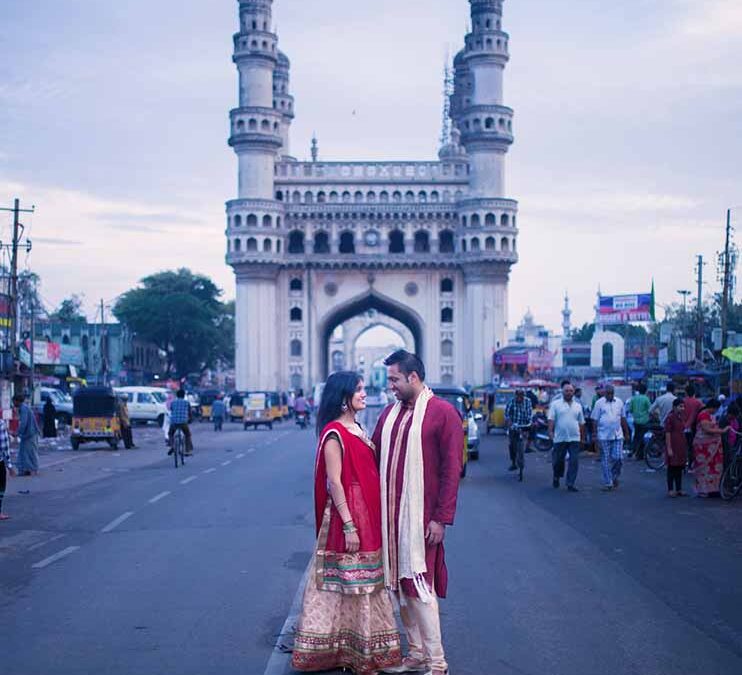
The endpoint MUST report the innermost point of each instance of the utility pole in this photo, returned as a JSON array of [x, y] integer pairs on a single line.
[[699, 318], [13, 290], [103, 339], [727, 272]]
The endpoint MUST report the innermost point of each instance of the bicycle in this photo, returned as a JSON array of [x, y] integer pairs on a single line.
[[654, 447], [731, 480], [522, 432], [179, 446]]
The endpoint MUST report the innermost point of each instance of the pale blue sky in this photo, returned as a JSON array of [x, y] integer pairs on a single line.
[[114, 119]]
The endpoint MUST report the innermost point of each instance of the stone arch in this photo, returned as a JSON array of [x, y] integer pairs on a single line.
[[238, 220], [370, 300], [252, 220], [267, 246], [267, 221], [422, 242], [504, 220], [446, 242], [252, 244], [505, 244], [396, 241], [607, 344], [296, 242], [321, 242]]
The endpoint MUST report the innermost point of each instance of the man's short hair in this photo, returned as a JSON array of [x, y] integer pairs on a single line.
[[180, 393], [564, 382], [19, 398], [671, 387], [642, 388], [407, 363], [678, 402]]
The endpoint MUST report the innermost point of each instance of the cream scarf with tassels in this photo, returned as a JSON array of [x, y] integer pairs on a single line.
[[411, 542]]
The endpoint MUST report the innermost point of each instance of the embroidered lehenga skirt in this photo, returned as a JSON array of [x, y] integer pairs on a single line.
[[347, 619]]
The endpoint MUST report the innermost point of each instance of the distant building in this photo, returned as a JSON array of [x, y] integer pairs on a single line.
[[108, 353]]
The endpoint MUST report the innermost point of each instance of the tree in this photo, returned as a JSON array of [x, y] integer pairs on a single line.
[[181, 313], [584, 334], [69, 311]]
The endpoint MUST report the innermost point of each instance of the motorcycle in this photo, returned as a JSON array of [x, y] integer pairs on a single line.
[[302, 419], [540, 432]]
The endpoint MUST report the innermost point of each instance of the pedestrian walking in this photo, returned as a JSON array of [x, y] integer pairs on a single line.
[[50, 419], [676, 448], [662, 405], [639, 406], [122, 411], [419, 441], [708, 453], [347, 617], [693, 406], [729, 440], [567, 432], [6, 466], [28, 435], [612, 431], [218, 413]]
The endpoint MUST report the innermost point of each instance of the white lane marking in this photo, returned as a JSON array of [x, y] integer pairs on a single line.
[[45, 542], [227, 463], [240, 456], [279, 660], [157, 498], [53, 558], [115, 523], [211, 470], [251, 450], [190, 479]]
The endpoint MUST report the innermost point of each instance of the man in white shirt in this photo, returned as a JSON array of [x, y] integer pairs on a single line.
[[662, 405], [567, 431], [611, 430]]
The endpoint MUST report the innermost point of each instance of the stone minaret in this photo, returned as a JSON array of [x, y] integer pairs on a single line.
[[566, 318], [259, 136], [486, 131]]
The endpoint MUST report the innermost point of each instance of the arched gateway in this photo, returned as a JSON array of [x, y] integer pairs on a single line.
[[313, 244]]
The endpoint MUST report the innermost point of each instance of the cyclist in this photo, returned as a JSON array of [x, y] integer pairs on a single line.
[[518, 416], [180, 416]]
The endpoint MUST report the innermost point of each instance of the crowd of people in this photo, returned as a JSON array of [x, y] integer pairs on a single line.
[[699, 437]]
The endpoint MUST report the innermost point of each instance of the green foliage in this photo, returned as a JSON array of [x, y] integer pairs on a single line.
[[584, 334], [69, 311], [181, 313]]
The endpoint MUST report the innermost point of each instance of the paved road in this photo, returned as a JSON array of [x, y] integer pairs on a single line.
[[119, 564]]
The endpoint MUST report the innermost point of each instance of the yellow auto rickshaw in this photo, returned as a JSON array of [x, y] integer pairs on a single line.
[[237, 406], [95, 417], [206, 398], [258, 410], [496, 403], [285, 413]]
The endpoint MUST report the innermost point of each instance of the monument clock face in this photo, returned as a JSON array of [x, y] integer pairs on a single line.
[[372, 238]]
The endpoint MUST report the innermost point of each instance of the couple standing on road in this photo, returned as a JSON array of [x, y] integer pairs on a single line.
[[382, 505]]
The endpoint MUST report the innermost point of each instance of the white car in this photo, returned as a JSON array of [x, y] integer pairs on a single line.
[[145, 404]]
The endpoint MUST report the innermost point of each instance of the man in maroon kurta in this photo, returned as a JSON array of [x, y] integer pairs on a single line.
[[442, 451]]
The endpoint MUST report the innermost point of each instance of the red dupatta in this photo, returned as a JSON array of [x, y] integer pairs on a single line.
[[337, 570]]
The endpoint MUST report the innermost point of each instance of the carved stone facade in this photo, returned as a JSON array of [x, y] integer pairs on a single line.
[[313, 244]]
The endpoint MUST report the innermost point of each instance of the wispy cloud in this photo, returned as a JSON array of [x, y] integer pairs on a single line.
[[55, 241], [713, 19]]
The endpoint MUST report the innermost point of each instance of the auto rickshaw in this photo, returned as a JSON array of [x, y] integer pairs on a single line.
[[258, 410], [460, 400], [237, 406], [285, 413], [274, 402], [496, 403], [95, 417], [206, 400]]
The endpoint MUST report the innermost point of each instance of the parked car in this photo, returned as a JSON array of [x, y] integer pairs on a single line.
[[460, 400], [145, 404], [62, 402]]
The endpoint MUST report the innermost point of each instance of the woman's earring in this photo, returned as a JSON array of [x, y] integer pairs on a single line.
[[344, 407]]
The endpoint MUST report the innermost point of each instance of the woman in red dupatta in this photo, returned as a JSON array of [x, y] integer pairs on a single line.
[[347, 619], [708, 452]]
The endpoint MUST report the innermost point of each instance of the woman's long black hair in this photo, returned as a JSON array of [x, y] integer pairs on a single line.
[[339, 389]]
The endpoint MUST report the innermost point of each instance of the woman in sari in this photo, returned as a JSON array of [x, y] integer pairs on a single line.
[[347, 620], [708, 454]]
